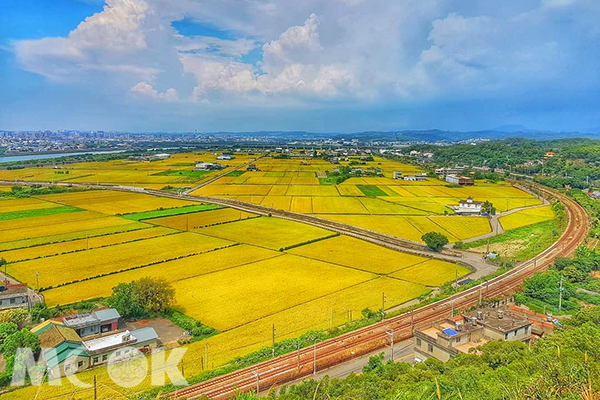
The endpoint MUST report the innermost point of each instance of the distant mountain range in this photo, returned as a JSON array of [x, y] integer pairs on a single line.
[[429, 135]]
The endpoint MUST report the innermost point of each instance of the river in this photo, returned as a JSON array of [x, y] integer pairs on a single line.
[[44, 156]]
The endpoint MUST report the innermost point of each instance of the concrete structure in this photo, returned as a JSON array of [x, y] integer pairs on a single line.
[[449, 337], [397, 174], [468, 207], [58, 343], [460, 180], [99, 348], [93, 323], [161, 156], [202, 166], [14, 295], [65, 352], [450, 171], [224, 157]]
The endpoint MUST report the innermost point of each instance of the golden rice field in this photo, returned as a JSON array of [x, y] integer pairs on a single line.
[[48, 250], [412, 228], [273, 233], [85, 230], [355, 253], [87, 264], [154, 174], [334, 205], [171, 271], [109, 202], [301, 204], [527, 217], [52, 225], [463, 227], [201, 219], [233, 297], [24, 204], [431, 273]]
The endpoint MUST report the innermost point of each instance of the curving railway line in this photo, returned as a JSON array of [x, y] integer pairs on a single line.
[[301, 363]]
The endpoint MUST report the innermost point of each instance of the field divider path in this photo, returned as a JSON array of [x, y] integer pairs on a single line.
[[497, 228]]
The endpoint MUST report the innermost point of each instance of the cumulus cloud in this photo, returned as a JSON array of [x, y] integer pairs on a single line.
[[147, 90], [104, 41], [348, 50], [286, 67]]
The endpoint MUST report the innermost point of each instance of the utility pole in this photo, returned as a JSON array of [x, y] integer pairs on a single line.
[[456, 278], [298, 349], [315, 357], [95, 389], [37, 279], [257, 381], [382, 306], [182, 369], [391, 335], [273, 340], [206, 354], [331, 319], [560, 292]]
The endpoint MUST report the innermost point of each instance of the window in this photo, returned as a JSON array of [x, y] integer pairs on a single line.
[[118, 353], [418, 342], [104, 357], [13, 300], [430, 348], [67, 367], [80, 364], [95, 360]]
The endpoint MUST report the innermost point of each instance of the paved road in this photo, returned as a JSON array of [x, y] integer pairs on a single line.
[[497, 228]]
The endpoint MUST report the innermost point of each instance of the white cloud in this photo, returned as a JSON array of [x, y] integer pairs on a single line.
[[285, 68], [147, 90], [107, 41], [347, 50]]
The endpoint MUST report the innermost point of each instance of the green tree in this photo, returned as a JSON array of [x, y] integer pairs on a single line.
[[20, 339], [156, 295], [16, 315], [6, 329], [489, 208], [142, 298], [125, 299], [435, 240]]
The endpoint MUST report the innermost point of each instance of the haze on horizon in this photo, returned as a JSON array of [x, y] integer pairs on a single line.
[[313, 65]]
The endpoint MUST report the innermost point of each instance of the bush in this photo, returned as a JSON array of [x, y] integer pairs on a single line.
[[435, 240]]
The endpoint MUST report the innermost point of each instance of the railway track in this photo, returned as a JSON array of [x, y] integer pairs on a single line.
[[296, 365], [301, 363]]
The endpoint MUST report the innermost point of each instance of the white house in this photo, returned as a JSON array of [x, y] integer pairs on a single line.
[[468, 207], [397, 174], [161, 156], [224, 157]]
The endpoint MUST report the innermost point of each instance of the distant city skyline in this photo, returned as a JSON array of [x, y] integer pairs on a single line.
[[315, 66]]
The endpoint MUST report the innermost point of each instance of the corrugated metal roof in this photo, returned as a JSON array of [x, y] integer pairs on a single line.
[[144, 334], [107, 314]]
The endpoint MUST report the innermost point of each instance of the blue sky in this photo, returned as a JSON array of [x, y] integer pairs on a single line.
[[315, 65]]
